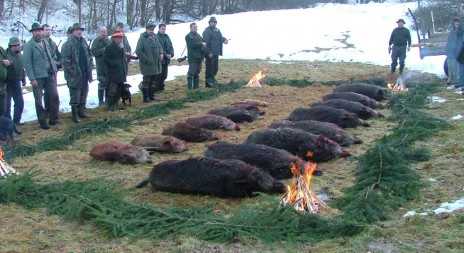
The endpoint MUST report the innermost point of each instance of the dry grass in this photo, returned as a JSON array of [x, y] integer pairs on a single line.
[[33, 231]]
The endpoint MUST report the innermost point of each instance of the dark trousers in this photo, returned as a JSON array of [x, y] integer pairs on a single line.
[[14, 90], [194, 70], [115, 90], [398, 54], [212, 66], [162, 77], [46, 89], [2, 103], [149, 81], [78, 95]]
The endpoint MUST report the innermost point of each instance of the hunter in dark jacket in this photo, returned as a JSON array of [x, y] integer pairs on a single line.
[[453, 45], [97, 49], [196, 49], [400, 39], [214, 40], [16, 77], [166, 43], [116, 69], [150, 54]]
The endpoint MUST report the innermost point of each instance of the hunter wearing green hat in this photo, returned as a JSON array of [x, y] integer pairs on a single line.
[[15, 79], [214, 40]]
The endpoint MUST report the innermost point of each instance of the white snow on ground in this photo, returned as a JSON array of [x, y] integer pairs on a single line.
[[447, 207]]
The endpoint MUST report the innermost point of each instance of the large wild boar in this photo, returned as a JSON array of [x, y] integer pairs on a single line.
[[373, 91], [300, 143], [117, 151], [357, 108], [276, 162], [213, 122], [210, 176], [162, 144], [253, 102], [329, 130], [190, 133], [356, 97], [238, 114], [340, 117]]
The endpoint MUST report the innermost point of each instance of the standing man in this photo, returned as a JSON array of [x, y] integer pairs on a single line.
[[56, 53], [168, 54], [41, 69], [120, 28], [150, 53], [196, 49], [98, 48], [78, 71], [3, 77], [401, 40], [453, 45], [116, 69], [214, 41], [16, 76]]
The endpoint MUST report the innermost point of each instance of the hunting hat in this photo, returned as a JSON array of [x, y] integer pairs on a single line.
[[118, 34], [119, 24], [150, 25], [14, 41], [401, 20], [456, 20], [77, 26], [70, 30], [212, 19], [36, 26]]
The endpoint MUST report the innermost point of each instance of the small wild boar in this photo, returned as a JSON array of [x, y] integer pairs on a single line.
[[276, 162], [300, 143], [329, 130], [190, 133], [210, 176], [116, 151], [356, 97], [373, 91], [357, 108], [161, 144], [238, 113], [340, 117], [253, 102], [213, 122]]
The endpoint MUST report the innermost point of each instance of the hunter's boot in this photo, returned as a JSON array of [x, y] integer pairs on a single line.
[[82, 111], [101, 94], [111, 104], [214, 80], [107, 94], [145, 95], [75, 116], [196, 83], [189, 83], [209, 83], [151, 92], [161, 86]]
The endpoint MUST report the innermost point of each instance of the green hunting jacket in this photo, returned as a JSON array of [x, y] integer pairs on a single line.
[[213, 38], [148, 50], [71, 54], [195, 48], [3, 71], [166, 43], [15, 70], [54, 49], [34, 60], [98, 48]]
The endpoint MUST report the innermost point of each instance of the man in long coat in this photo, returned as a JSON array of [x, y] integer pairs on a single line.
[[196, 50], [168, 54], [116, 69], [214, 40], [98, 48]]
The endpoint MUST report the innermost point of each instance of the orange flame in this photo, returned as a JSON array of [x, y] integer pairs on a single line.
[[254, 81]]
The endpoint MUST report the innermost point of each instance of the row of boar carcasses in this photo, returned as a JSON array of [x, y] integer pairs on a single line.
[[314, 134]]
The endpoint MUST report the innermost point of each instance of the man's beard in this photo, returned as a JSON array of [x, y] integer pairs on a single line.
[[38, 38]]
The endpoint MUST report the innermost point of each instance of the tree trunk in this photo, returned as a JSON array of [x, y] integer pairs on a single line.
[[41, 11]]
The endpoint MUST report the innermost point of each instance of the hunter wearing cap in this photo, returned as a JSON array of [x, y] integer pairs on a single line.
[[77, 66], [214, 40], [401, 40], [41, 70], [150, 54], [116, 69], [15, 79], [98, 48]]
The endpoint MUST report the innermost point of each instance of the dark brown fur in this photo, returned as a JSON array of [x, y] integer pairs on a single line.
[[190, 133], [213, 122]]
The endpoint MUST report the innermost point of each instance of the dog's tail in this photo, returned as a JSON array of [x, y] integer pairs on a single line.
[[143, 183], [16, 130]]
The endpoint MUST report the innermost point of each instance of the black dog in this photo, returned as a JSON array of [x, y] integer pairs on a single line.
[[126, 94], [6, 130]]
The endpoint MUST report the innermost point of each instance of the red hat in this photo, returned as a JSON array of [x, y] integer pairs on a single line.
[[118, 34]]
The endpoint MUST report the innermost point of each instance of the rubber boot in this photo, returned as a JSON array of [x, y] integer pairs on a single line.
[[75, 116], [151, 92], [209, 83], [82, 111], [145, 95], [189, 83], [101, 94], [111, 104], [196, 83], [214, 80]]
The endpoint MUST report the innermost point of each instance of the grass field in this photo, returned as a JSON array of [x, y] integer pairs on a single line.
[[34, 231]]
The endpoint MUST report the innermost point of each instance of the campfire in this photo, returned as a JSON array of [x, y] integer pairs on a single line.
[[398, 86], [5, 168], [299, 193], [254, 81]]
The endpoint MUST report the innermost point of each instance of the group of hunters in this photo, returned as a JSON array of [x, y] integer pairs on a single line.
[[41, 59]]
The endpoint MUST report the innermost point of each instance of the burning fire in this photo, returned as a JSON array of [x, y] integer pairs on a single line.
[[398, 86], [299, 194], [5, 168], [254, 81]]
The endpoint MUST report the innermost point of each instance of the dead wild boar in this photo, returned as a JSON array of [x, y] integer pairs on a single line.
[[276, 162], [357, 108], [238, 113], [210, 176], [253, 102], [161, 144], [299, 142], [213, 122], [189, 133], [373, 91], [356, 97], [116, 151], [340, 117], [329, 130]]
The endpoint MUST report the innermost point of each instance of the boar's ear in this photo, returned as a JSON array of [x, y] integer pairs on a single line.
[[321, 141], [167, 143]]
